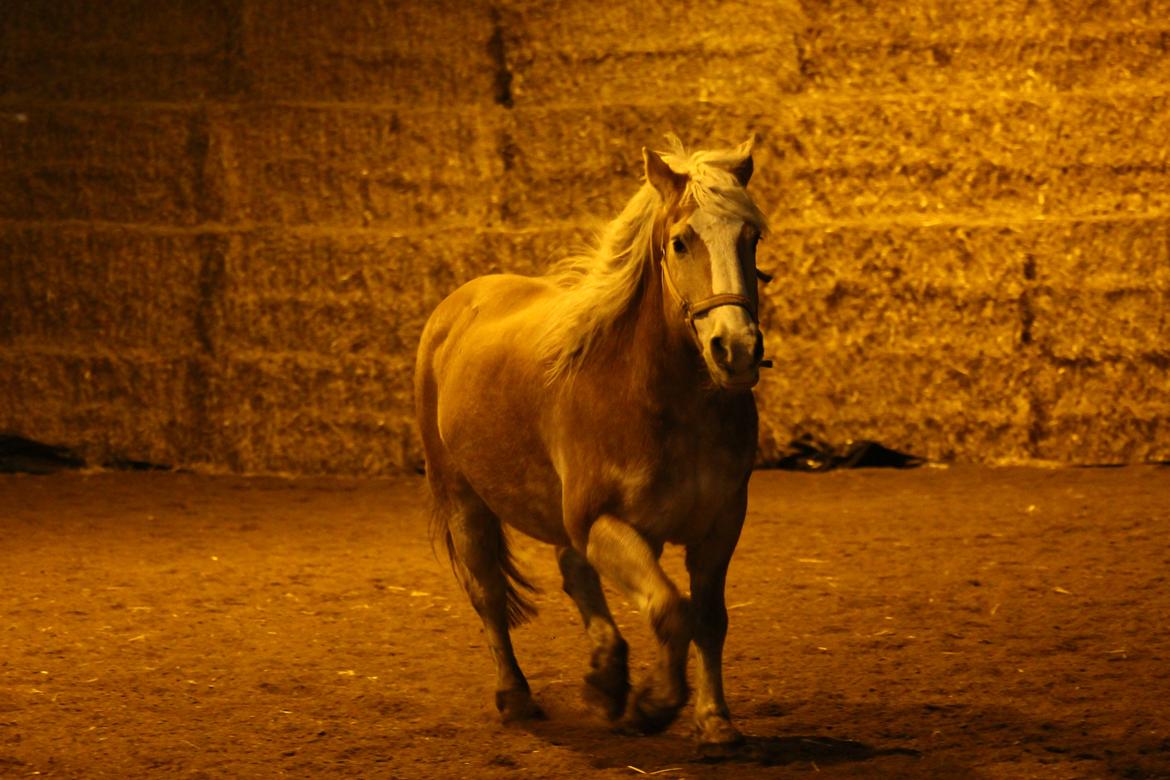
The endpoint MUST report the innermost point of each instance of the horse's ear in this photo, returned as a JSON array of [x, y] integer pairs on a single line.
[[742, 166], [668, 183]]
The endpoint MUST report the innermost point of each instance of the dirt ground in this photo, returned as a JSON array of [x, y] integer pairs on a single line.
[[938, 623]]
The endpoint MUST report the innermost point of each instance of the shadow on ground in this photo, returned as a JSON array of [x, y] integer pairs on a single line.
[[775, 751], [1009, 738], [675, 754]]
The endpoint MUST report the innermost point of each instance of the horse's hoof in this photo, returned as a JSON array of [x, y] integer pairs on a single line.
[[718, 739], [518, 705], [608, 685], [648, 715], [606, 695]]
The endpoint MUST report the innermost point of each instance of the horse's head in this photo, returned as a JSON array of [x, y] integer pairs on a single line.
[[707, 253]]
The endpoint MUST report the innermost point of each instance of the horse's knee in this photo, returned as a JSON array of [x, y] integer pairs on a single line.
[[671, 618], [580, 580]]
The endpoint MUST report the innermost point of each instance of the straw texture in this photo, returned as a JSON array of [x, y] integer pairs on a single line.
[[222, 225]]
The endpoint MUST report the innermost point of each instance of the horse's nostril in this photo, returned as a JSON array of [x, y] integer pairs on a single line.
[[758, 354], [718, 349]]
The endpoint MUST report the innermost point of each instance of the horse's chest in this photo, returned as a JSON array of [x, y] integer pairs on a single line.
[[685, 493], [671, 471]]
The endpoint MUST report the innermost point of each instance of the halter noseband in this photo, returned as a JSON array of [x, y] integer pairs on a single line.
[[692, 310]]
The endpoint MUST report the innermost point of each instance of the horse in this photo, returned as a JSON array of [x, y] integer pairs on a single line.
[[606, 409]]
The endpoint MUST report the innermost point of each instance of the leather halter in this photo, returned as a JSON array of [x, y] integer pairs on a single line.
[[692, 310]]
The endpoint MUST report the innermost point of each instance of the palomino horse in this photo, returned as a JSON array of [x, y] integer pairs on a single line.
[[607, 409]]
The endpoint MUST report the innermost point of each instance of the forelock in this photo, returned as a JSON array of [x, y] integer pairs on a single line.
[[711, 187]]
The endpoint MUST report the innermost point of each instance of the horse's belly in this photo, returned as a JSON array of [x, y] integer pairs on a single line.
[[521, 488], [532, 508]]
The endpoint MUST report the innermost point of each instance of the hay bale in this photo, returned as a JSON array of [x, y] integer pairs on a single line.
[[111, 164], [579, 164], [934, 403], [83, 288], [306, 412], [978, 49], [319, 353], [1125, 252], [1109, 411], [349, 166], [651, 53], [225, 228], [434, 54], [98, 337], [128, 405], [856, 20], [117, 50]]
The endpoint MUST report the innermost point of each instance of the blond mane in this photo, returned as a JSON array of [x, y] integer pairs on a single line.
[[602, 284]]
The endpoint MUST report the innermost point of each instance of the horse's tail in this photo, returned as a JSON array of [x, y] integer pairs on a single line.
[[520, 607]]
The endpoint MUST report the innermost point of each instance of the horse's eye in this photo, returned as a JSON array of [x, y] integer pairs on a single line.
[[679, 246]]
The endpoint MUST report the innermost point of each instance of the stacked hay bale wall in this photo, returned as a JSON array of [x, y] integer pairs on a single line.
[[223, 224]]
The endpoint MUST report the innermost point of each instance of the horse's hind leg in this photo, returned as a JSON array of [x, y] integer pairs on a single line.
[[608, 682], [620, 553], [478, 549]]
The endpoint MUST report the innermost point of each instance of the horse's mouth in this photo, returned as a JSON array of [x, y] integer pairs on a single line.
[[746, 382]]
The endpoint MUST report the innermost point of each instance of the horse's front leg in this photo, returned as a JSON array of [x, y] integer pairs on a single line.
[[619, 553], [608, 682], [707, 563]]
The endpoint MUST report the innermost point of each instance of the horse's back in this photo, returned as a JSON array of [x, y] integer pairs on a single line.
[[479, 395], [482, 300], [486, 319]]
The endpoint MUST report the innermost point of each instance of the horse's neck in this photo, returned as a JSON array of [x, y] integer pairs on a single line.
[[659, 358], [646, 391]]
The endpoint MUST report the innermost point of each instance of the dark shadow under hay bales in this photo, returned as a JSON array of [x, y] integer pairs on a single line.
[[808, 453], [19, 455]]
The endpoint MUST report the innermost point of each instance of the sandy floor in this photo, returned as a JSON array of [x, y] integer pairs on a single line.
[[936, 623]]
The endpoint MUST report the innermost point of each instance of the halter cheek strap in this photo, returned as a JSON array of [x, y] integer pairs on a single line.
[[692, 310]]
